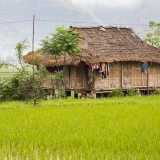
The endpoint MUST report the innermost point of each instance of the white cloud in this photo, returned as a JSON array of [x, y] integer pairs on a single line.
[[110, 3]]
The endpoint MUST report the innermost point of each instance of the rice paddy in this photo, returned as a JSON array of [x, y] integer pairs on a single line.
[[85, 129]]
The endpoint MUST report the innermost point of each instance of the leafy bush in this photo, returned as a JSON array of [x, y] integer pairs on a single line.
[[139, 93], [21, 87], [156, 91], [131, 92], [60, 93], [117, 92], [24, 84]]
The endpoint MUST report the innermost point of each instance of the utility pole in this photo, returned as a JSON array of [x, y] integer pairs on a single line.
[[34, 91]]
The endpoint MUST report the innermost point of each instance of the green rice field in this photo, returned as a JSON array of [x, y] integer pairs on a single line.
[[125, 128], [7, 72]]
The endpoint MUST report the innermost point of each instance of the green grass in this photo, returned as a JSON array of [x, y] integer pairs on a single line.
[[7, 72], [109, 128]]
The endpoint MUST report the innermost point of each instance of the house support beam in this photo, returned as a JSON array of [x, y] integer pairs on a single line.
[[147, 83]]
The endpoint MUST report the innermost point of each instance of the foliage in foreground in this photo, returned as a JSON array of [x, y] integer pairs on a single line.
[[112, 128], [153, 35], [117, 92], [23, 84]]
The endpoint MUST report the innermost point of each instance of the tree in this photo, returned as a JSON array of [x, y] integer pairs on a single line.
[[153, 36], [20, 47], [64, 40], [20, 86]]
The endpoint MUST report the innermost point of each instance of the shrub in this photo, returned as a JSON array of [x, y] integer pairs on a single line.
[[24, 85], [156, 91], [117, 92], [131, 92], [60, 93], [138, 93]]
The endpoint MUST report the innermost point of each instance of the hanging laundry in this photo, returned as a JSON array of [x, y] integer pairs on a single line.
[[100, 67], [104, 75], [103, 67], [96, 66], [89, 66], [107, 68], [92, 67], [90, 76], [90, 73], [90, 80], [144, 67]]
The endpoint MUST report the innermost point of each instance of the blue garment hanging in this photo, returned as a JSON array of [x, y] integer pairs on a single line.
[[144, 67]]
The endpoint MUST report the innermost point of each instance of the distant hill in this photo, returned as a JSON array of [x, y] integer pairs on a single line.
[[48, 14]]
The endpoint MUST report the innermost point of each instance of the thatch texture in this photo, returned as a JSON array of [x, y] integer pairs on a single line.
[[104, 44], [38, 58]]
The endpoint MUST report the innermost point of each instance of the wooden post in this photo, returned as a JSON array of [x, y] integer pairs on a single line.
[[109, 79], [122, 75], [83, 77], [75, 77], [69, 77], [53, 89], [147, 83], [95, 95], [94, 80]]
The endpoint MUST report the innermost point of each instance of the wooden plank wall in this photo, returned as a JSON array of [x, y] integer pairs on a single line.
[[124, 75], [113, 80], [128, 75], [75, 77], [99, 83], [80, 75], [154, 75], [115, 77], [67, 77]]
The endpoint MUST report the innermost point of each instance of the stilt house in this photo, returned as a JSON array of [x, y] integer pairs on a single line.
[[111, 57]]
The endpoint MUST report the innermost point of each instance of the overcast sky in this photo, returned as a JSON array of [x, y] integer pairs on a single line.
[[111, 3]]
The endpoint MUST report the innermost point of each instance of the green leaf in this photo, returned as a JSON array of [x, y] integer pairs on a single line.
[[63, 40], [153, 35]]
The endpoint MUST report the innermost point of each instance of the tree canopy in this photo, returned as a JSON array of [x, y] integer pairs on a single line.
[[64, 40], [153, 36]]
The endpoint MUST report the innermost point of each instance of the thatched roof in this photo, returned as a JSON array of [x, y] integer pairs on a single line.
[[104, 44]]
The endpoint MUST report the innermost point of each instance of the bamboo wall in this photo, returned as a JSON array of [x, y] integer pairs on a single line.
[[128, 75], [75, 77], [123, 75]]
